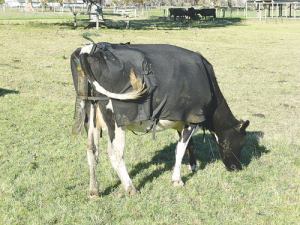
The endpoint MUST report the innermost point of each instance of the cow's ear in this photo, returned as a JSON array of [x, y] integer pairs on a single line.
[[244, 125]]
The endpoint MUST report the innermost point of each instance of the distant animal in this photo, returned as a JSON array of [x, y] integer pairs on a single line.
[[207, 12], [191, 13], [145, 88], [180, 12]]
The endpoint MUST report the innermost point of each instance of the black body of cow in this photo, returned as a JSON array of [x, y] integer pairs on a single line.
[[181, 88], [180, 12], [192, 13], [206, 12]]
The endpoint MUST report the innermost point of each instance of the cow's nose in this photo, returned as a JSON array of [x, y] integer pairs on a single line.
[[233, 167]]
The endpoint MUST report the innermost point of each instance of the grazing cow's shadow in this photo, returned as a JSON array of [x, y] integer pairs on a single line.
[[205, 153], [5, 92]]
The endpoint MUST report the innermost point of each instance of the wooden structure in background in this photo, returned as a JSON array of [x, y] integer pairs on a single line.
[[274, 8]]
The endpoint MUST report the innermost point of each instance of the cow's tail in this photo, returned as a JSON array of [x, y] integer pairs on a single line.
[[137, 92], [138, 87]]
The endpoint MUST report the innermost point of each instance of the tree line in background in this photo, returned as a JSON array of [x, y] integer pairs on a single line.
[[179, 3]]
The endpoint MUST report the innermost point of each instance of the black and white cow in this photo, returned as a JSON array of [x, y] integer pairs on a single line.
[[143, 88]]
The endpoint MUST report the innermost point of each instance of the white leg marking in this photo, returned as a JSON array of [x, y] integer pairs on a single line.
[[92, 152], [180, 150], [99, 118], [116, 155]]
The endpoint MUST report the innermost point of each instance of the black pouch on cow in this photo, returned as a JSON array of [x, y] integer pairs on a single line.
[[80, 104]]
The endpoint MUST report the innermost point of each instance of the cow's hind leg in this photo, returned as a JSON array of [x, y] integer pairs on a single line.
[[93, 150], [115, 150], [185, 137], [192, 159]]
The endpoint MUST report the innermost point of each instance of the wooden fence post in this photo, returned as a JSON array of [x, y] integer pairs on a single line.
[[97, 21], [75, 24], [127, 22]]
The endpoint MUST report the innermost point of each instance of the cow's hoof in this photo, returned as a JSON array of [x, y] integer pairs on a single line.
[[177, 183], [131, 191], [194, 168], [94, 194], [93, 197]]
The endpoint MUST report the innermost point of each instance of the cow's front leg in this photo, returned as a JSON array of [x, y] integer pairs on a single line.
[[93, 150], [190, 153], [185, 137], [115, 150]]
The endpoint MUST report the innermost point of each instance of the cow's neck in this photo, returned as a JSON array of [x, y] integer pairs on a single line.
[[222, 117]]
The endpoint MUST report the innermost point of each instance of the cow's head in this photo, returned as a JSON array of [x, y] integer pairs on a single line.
[[230, 143], [230, 136]]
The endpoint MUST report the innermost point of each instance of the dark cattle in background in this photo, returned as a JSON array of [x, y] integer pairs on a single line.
[[180, 12], [146, 88], [207, 12], [192, 13]]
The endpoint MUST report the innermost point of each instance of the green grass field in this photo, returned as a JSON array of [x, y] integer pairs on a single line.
[[44, 174]]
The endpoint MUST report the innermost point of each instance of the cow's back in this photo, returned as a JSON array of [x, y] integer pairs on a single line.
[[181, 76]]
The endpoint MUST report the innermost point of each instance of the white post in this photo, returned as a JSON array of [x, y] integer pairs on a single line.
[[127, 22], [97, 22], [135, 13], [259, 15], [265, 13]]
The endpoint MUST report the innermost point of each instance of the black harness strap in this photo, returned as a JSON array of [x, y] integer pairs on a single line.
[[154, 115], [93, 98]]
